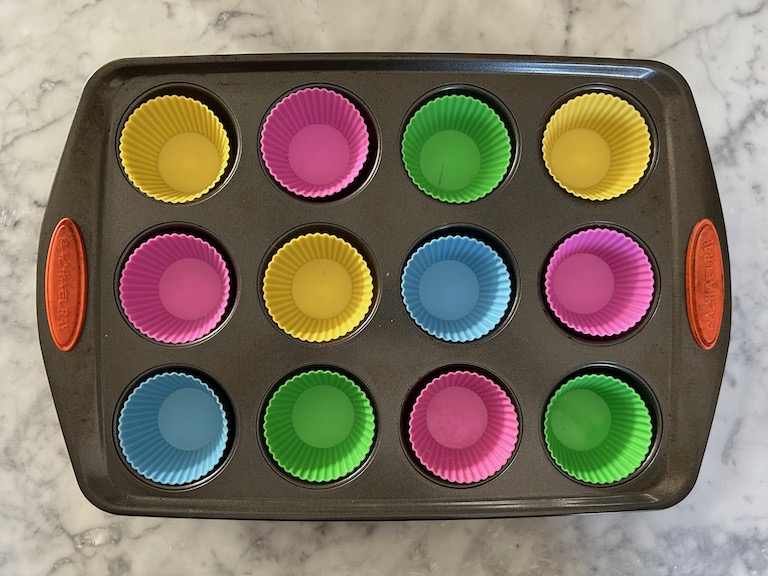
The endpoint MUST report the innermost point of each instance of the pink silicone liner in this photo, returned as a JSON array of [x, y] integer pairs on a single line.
[[314, 142], [463, 427], [599, 282], [174, 288]]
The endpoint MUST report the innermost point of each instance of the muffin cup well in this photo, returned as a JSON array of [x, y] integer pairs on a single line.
[[319, 426], [172, 429], [597, 429], [456, 288], [463, 427], [318, 287], [315, 142], [174, 149], [596, 146], [456, 148], [599, 282], [174, 288]]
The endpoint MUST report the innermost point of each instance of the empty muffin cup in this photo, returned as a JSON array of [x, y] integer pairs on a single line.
[[319, 426], [599, 282], [174, 149], [597, 146], [174, 288], [318, 287], [463, 427], [456, 149], [456, 288], [172, 429], [597, 429], [315, 142]]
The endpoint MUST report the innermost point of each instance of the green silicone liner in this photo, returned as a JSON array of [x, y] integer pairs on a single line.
[[291, 422], [437, 145], [628, 432]]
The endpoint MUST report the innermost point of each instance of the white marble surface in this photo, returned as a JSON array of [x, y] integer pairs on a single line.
[[47, 51]]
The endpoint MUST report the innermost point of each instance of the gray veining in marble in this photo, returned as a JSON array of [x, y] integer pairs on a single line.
[[47, 51]]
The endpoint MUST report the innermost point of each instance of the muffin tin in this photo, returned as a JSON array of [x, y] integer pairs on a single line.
[[384, 286]]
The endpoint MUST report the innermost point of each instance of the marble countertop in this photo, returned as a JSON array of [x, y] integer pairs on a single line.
[[46, 54]]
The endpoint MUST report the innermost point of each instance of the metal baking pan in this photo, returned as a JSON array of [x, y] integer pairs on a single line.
[[673, 358]]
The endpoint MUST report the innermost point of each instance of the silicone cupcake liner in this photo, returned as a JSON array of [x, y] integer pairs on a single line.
[[456, 288], [174, 288], [463, 427], [174, 149], [314, 142], [318, 287], [596, 146], [173, 429], [319, 426], [597, 429], [599, 282], [456, 149]]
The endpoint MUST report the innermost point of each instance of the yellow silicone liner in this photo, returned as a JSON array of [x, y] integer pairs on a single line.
[[596, 146], [174, 149], [318, 287]]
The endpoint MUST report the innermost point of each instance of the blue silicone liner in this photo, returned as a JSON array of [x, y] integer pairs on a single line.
[[456, 288], [172, 429]]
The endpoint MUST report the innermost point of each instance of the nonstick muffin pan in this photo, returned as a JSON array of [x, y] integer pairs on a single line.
[[384, 286]]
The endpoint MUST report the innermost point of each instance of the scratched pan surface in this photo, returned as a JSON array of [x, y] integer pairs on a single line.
[[248, 215]]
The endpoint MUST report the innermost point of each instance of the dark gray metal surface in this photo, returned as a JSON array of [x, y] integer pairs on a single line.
[[249, 215]]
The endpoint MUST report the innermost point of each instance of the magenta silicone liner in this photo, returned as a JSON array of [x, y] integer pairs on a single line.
[[174, 288], [315, 142], [599, 282], [463, 427]]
